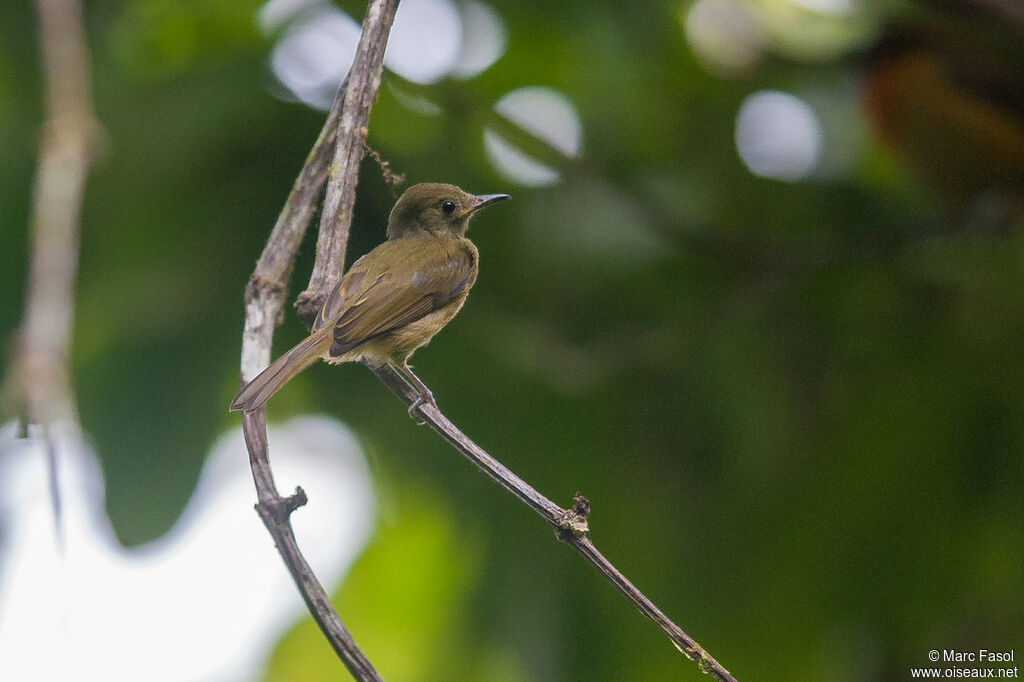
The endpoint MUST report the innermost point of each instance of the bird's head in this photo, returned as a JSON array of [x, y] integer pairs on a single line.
[[436, 208]]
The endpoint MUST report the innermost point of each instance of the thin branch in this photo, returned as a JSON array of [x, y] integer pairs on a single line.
[[276, 513], [265, 296], [391, 177], [340, 199], [268, 286], [570, 525]]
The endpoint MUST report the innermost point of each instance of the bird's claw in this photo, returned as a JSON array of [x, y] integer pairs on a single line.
[[414, 409]]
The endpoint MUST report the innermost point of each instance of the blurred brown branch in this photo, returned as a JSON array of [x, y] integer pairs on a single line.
[[38, 384], [37, 388], [1001, 12], [343, 132]]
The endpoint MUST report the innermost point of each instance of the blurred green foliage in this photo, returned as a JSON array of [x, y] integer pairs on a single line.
[[796, 407]]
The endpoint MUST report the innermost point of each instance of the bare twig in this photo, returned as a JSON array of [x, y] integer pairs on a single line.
[[336, 218], [570, 525], [267, 289], [276, 512], [391, 177], [265, 296]]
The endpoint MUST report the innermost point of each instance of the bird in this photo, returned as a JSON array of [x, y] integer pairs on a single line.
[[394, 299]]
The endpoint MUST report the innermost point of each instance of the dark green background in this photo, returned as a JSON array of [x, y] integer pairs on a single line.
[[795, 407]]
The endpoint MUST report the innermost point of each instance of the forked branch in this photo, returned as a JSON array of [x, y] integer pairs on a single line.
[[264, 300], [340, 148]]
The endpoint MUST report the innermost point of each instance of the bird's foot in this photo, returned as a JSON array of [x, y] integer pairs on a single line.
[[424, 398]]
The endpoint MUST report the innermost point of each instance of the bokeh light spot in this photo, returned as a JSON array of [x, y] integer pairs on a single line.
[[429, 40], [778, 135], [726, 35], [425, 40], [483, 39], [274, 14], [315, 53], [836, 7], [516, 165], [547, 115]]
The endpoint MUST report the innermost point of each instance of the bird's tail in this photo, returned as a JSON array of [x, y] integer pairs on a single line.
[[258, 391]]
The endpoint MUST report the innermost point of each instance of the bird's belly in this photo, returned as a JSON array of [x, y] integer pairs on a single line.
[[418, 333]]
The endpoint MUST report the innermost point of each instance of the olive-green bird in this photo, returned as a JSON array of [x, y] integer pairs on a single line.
[[393, 299]]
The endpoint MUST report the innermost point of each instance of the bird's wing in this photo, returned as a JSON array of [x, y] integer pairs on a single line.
[[341, 292], [416, 284]]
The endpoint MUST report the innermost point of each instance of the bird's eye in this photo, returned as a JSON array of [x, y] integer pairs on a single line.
[[448, 206]]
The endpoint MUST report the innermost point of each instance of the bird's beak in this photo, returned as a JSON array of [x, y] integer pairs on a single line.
[[481, 200]]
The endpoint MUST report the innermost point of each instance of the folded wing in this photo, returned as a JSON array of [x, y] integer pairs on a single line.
[[417, 284]]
